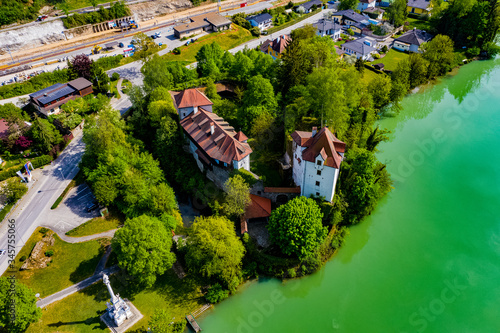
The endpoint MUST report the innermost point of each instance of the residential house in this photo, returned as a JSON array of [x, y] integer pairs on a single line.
[[276, 47], [328, 28], [349, 17], [214, 144], [262, 21], [361, 48], [316, 162], [200, 23], [307, 7], [411, 40], [375, 13], [189, 100], [418, 6], [365, 4], [48, 101]]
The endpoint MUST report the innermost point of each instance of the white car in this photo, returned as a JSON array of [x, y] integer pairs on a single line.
[[2, 252]]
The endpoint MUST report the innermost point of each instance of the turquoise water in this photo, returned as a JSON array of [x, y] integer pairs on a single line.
[[428, 259]]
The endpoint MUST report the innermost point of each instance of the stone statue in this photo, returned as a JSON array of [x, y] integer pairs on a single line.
[[118, 310]]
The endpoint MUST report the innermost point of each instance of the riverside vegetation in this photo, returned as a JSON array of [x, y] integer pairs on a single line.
[[135, 165]]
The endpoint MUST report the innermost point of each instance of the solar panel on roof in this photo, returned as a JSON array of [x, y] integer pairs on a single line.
[[56, 94], [44, 90]]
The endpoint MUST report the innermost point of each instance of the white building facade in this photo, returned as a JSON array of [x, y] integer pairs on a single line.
[[316, 162]]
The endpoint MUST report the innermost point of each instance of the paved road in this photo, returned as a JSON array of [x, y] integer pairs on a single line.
[[36, 204]]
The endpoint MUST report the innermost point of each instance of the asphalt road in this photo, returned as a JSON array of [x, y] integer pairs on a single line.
[[35, 205]]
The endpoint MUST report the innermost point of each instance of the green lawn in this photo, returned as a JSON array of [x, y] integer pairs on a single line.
[[95, 226], [272, 30], [391, 59], [80, 312], [71, 263], [76, 4], [419, 24], [227, 40]]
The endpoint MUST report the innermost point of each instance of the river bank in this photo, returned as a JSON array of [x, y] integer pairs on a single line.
[[425, 260]]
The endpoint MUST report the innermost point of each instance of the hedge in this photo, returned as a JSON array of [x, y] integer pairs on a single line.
[[36, 162]]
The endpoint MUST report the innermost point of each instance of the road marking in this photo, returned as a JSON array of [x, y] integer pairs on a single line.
[[84, 196]]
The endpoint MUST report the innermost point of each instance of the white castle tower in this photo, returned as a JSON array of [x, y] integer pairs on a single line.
[[118, 310]]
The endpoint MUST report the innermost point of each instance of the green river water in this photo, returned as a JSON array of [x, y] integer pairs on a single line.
[[428, 259]]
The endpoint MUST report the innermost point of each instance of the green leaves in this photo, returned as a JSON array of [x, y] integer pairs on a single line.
[[143, 248], [26, 311], [214, 250], [296, 227], [237, 197]]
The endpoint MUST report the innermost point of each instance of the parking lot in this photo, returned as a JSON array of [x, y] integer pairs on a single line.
[[72, 211]]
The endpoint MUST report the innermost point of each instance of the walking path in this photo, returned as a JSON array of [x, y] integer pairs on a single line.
[[106, 234], [102, 263], [76, 287]]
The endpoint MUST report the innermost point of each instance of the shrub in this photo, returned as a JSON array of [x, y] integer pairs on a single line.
[[44, 231], [49, 253], [41, 161], [245, 238], [350, 32], [23, 258], [115, 76], [215, 294], [384, 49], [176, 51], [376, 56], [472, 52], [292, 273], [255, 31]]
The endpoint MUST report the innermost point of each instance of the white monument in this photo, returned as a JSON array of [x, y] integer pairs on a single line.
[[118, 310]]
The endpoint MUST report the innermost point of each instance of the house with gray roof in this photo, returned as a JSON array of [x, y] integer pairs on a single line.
[[307, 7], [419, 6], [360, 48], [349, 17], [262, 21], [48, 100], [328, 28], [411, 40]]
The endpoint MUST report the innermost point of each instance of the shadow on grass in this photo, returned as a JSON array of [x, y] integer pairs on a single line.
[[90, 321], [85, 269]]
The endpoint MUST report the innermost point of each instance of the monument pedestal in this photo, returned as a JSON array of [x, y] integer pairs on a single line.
[[128, 323]]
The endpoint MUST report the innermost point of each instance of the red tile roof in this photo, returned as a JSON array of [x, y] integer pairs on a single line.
[[280, 43], [324, 143], [240, 136], [190, 98], [222, 144], [259, 207]]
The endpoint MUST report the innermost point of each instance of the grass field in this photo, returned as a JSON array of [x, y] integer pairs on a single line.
[[391, 59], [227, 40], [76, 4], [272, 30], [95, 226], [80, 312], [419, 24], [71, 263]]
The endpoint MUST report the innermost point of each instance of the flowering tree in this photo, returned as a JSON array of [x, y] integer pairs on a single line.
[[23, 142]]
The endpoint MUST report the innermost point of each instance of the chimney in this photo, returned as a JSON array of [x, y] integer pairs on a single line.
[[314, 130], [195, 109], [212, 128]]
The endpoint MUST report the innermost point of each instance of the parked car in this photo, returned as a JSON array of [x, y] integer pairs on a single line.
[[94, 205], [121, 45], [2, 252]]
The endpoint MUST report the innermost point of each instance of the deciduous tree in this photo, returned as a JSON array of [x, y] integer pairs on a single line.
[[26, 311], [296, 227], [439, 54], [214, 250], [143, 248], [237, 196], [397, 13]]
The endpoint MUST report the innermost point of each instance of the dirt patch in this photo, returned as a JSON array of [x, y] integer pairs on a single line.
[[146, 10], [38, 259]]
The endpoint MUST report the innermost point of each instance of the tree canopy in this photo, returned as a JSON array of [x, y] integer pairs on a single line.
[[143, 248], [296, 227], [237, 196], [24, 300], [214, 250]]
